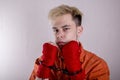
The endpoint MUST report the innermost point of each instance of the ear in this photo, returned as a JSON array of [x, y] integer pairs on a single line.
[[79, 30]]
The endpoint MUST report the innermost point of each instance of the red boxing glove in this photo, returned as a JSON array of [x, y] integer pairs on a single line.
[[71, 54], [48, 59]]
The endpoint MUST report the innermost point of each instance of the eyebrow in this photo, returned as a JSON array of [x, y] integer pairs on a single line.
[[62, 26]]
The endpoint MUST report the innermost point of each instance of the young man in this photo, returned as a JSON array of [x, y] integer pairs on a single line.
[[66, 59]]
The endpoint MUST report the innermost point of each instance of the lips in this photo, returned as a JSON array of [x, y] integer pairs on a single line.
[[61, 43]]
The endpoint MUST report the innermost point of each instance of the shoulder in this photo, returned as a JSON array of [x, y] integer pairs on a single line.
[[93, 64], [93, 58]]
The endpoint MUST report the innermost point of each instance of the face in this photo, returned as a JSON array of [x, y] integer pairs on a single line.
[[65, 29]]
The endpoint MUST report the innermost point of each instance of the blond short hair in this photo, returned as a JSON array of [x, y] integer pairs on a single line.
[[65, 9]]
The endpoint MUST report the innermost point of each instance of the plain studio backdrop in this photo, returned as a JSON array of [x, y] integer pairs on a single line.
[[24, 27]]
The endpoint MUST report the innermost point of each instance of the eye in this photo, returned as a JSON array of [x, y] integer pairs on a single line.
[[66, 29], [55, 30]]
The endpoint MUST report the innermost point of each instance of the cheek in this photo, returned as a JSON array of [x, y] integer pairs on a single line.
[[55, 36], [71, 36]]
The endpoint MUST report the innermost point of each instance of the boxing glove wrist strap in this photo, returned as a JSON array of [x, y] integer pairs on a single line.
[[41, 63], [65, 71]]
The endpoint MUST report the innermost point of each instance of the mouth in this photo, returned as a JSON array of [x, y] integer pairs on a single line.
[[61, 43]]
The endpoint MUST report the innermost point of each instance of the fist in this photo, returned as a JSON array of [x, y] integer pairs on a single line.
[[48, 59]]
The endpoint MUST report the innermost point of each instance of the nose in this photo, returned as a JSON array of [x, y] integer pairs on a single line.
[[60, 35]]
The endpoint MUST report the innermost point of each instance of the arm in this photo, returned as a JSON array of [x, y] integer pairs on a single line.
[[33, 74], [95, 67], [100, 72], [71, 53], [42, 70], [48, 60], [36, 64]]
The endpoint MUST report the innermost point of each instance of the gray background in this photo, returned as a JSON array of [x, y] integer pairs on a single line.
[[24, 27]]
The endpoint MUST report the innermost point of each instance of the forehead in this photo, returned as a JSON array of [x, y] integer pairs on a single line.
[[62, 20]]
